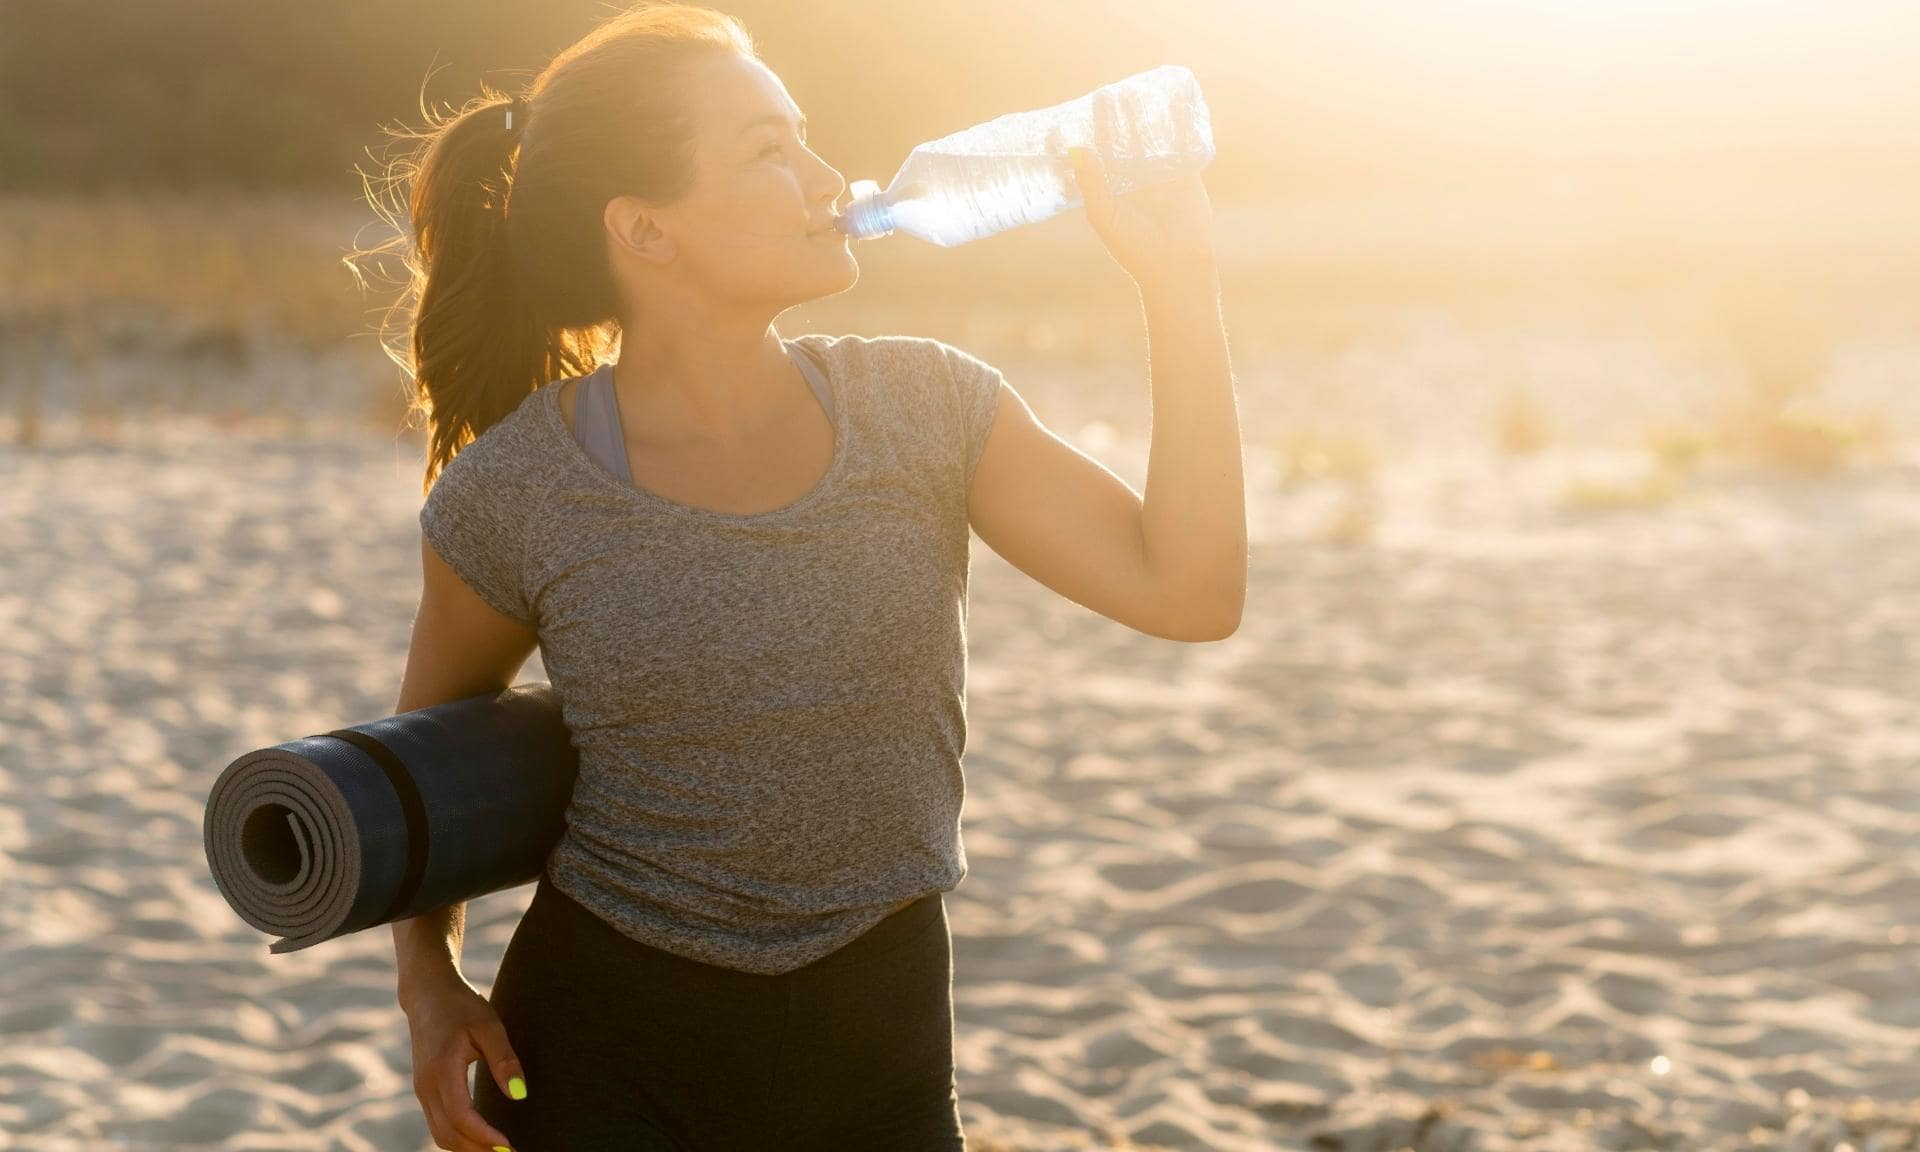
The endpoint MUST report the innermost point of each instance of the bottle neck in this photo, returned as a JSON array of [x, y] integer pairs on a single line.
[[869, 214]]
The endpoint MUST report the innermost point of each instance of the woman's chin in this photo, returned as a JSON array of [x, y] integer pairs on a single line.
[[834, 283]]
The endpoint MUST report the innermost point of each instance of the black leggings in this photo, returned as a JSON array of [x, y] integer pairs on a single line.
[[627, 1047]]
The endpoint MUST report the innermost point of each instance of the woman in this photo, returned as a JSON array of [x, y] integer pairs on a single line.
[[744, 559]]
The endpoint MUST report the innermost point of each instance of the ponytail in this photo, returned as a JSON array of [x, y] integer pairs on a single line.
[[509, 276], [479, 345]]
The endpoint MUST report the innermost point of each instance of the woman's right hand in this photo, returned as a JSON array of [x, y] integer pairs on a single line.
[[452, 1026]]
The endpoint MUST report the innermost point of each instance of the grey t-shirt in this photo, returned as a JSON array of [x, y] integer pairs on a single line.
[[770, 710]]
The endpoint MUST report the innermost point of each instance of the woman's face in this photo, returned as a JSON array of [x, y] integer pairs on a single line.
[[756, 226]]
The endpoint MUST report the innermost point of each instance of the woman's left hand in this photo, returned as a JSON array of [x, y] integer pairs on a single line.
[[1158, 232]]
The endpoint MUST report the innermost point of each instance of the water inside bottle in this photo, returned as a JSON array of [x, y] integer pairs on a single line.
[[1013, 170]]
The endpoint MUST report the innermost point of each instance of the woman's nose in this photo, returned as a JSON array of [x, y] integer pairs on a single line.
[[836, 187]]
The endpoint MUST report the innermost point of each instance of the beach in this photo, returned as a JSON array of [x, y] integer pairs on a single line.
[[1518, 814]]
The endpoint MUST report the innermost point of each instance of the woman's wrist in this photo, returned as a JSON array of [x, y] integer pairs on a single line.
[[424, 979], [426, 950], [1179, 281]]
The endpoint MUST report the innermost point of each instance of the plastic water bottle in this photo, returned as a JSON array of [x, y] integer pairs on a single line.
[[1013, 169]]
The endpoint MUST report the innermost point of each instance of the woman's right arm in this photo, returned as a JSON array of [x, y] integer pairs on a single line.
[[461, 647]]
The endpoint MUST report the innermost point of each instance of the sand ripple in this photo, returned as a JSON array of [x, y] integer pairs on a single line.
[[1501, 833]]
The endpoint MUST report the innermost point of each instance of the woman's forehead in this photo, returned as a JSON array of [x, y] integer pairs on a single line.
[[737, 93]]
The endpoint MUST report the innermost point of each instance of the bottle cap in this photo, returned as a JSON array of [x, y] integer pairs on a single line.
[[868, 215]]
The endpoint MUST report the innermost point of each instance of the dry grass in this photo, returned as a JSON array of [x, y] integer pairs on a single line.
[[1678, 449], [1776, 340], [1798, 438], [210, 298], [1807, 442], [1780, 433], [171, 270], [1357, 521], [1771, 431], [1310, 455], [1651, 490], [1521, 428]]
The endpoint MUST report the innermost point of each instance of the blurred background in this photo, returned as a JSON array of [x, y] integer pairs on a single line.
[[1556, 792], [1711, 198]]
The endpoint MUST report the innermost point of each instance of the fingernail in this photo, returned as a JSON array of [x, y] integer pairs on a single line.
[[517, 1088], [501, 1148], [1077, 155]]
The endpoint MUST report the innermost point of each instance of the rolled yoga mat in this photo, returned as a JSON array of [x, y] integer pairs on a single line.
[[323, 836]]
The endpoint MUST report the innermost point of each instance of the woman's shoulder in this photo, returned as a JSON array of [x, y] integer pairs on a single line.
[[896, 363], [890, 350]]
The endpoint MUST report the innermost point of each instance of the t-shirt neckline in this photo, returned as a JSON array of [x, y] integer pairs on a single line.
[[577, 452]]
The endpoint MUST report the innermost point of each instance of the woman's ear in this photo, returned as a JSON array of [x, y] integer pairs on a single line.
[[634, 228]]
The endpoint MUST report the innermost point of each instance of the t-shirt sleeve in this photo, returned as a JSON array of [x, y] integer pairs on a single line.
[[976, 389], [476, 517]]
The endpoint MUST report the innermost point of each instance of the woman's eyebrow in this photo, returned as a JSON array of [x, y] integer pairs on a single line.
[[777, 119]]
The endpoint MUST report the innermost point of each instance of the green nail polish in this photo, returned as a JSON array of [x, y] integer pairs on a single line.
[[517, 1088]]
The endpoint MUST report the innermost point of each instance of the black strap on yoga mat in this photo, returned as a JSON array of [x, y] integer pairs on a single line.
[[411, 806], [469, 797]]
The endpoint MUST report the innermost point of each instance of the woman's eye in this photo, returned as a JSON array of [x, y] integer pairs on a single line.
[[769, 148]]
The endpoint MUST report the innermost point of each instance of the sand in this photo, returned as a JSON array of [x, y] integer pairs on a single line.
[[1499, 825]]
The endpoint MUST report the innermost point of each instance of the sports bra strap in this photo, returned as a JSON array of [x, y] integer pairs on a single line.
[[596, 411]]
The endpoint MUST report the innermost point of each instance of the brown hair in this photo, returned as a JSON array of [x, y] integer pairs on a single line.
[[509, 285]]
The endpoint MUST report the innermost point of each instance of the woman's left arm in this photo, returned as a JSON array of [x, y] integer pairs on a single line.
[[1194, 511], [1174, 562]]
